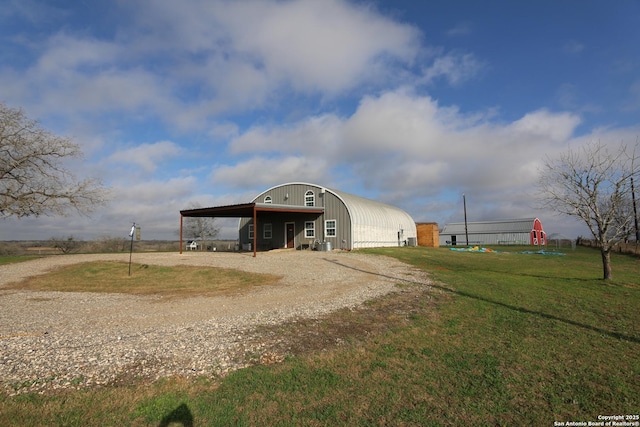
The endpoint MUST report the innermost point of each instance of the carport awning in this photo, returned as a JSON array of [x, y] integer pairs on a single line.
[[245, 210]]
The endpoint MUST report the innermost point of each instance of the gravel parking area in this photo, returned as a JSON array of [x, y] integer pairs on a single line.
[[57, 340]]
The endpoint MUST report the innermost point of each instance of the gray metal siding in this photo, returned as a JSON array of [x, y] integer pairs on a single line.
[[293, 194], [360, 222], [336, 210]]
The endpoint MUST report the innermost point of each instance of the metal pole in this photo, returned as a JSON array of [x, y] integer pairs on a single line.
[[131, 250], [181, 234], [635, 211], [255, 230], [466, 230]]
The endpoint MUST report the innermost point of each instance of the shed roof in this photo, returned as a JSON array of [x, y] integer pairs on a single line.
[[523, 225], [245, 210]]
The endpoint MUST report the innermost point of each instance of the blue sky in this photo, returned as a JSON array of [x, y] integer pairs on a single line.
[[410, 103]]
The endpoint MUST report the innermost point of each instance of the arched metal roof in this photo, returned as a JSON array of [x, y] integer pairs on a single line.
[[371, 221]]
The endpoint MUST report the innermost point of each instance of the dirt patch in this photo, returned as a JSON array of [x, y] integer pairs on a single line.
[[354, 325]]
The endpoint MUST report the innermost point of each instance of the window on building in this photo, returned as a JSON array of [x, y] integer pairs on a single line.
[[310, 229], [250, 231], [267, 199], [309, 198], [267, 231], [330, 228]]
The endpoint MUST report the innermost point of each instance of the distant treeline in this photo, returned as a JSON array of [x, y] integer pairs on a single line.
[[68, 245]]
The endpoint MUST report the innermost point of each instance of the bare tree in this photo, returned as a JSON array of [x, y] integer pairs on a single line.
[[202, 228], [66, 246], [594, 185], [621, 220], [33, 178]]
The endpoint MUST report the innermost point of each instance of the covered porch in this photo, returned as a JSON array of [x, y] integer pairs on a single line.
[[248, 210]]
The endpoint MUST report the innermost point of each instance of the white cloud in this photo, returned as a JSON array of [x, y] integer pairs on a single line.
[[64, 52], [394, 120], [554, 127], [154, 205], [238, 54], [225, 130], [147, 156], [456, 68], [266, 172], [412, 142], [319, 135], [329, 46], [404, 143], [78, 76], [154, 192], [314, 46]]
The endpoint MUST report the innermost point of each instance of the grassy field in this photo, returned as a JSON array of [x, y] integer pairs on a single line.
[[8, 259], [113, 277], [500, 339]]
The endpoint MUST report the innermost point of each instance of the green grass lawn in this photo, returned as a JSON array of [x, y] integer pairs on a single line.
[[178, 281], [536, 338], [501, 339], [10, 259]]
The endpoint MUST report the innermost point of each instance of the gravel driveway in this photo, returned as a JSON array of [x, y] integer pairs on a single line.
[[57, 340]]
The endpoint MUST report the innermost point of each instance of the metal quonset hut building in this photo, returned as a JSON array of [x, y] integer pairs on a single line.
[[299, 214], [342, 220], [526, 231]]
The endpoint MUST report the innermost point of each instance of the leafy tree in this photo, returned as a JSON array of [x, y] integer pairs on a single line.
[[202, 228], [594, 185], [33, 178]]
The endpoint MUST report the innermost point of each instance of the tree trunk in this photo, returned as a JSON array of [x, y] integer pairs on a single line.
[[606, 264]]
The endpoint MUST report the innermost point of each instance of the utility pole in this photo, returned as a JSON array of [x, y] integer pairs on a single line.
[[466, 230]]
